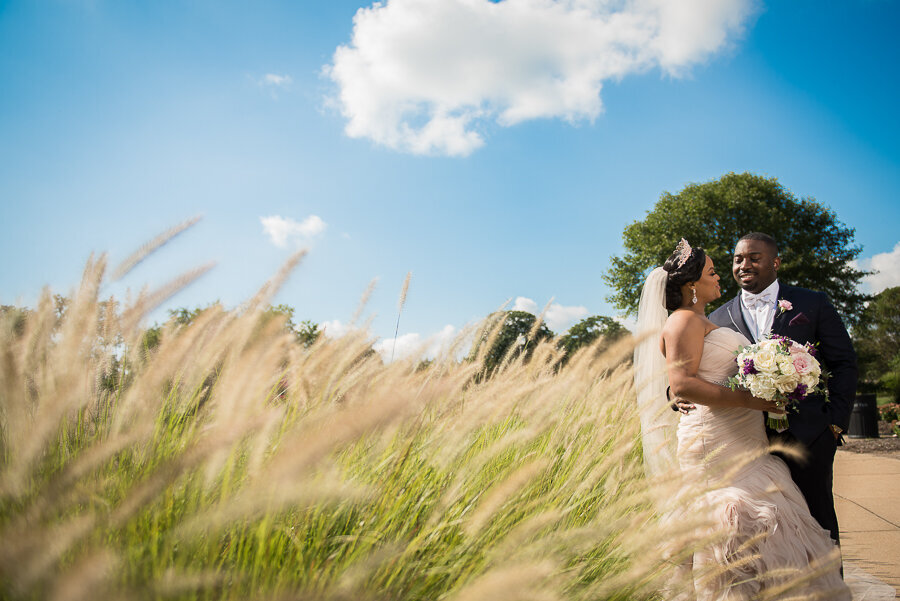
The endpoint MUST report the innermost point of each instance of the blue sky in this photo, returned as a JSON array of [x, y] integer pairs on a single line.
[[496, 150]]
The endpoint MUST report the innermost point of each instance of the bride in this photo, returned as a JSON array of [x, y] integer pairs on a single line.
[[767, 528]]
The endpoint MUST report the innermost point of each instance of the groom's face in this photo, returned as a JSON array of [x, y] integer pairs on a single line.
[[755, 265]]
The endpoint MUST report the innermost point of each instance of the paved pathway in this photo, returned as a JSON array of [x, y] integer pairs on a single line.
[[867, 499]]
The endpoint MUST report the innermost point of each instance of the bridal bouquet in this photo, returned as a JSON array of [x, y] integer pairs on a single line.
[[779, 369]]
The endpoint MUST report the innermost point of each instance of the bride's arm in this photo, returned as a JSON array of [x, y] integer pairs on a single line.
[[683, 338]]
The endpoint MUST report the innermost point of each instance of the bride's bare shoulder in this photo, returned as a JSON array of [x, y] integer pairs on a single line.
[[682, 328], [680, 322]]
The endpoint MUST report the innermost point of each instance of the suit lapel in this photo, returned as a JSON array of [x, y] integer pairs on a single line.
[[737, 317]]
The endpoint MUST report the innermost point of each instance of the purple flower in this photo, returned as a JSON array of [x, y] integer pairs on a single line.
[[798, 394], [749, 369]]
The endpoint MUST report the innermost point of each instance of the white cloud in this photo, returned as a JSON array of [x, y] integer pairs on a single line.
[[335, 328], [525, 304], [558, 317], [888, 267], [412, 344], [426, 76], [628, 323], [278, 81], [281, 230]]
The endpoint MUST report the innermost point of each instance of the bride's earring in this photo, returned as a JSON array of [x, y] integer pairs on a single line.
[[694, 300]]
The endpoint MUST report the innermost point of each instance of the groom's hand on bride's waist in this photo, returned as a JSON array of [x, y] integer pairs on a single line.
[[679, 404]]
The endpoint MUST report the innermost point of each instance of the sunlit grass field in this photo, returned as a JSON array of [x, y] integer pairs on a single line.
[[231, 462]]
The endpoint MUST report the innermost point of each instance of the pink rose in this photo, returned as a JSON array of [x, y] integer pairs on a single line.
[[801, 363], [785, 305]]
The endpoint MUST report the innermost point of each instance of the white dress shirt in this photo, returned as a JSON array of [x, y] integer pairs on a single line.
[[759, 309]]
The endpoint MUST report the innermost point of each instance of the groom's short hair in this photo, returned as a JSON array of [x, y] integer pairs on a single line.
[[761, 237]]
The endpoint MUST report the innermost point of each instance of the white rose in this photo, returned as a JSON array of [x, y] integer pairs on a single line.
[[786, 384], [815, 369], [763, 388], [765, 361], [809, 380], [786, 365]]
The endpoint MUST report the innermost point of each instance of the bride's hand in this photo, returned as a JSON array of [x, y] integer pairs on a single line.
[[758, 404]]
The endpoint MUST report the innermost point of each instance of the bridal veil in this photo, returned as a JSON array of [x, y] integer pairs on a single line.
[[658, 421]]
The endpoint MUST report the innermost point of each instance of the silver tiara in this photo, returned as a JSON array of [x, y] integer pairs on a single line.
[[683, 250]]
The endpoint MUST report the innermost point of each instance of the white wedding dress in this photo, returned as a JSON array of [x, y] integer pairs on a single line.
[[761, 513]]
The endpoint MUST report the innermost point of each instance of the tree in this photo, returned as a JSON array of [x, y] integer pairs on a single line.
[[817, 250], [16, 318], [877, 341], [185, 317], [588, 330], [307, 333], [515, 338], [152, 338]]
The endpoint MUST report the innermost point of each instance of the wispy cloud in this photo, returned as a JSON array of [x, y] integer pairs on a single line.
[[275, 80], [628, 323], [283, 230], [558, 317], [426, 76], [887, 266], [335, 328], [274, 83], [413, 344]]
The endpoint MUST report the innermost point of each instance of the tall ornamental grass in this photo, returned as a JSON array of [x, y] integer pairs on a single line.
[[229, 462]]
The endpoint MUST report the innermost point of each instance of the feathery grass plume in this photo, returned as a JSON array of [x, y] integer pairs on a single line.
[[28, 554], [274, 284], [363, 301], [400, 302], [86, 579], [495, 497], [150, 247], [526, 582], [57, 393], [148, 301], [486, 337], [540, 319]]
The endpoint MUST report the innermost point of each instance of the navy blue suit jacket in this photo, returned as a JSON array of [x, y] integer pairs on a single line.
[[812, 319]]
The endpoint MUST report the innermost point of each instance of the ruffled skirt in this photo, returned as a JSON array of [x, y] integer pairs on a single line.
[[762, 538]]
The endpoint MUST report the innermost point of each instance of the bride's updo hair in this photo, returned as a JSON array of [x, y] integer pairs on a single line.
[[690, 271]]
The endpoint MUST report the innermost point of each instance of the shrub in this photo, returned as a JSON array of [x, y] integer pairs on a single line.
[[889, 412]]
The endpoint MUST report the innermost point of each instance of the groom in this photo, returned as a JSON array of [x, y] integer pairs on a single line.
[[765, 304]]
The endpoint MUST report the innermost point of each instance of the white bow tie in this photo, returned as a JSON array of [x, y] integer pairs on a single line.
[[754, 301]]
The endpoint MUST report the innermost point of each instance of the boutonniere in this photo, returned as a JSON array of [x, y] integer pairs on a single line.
[[784, 305]]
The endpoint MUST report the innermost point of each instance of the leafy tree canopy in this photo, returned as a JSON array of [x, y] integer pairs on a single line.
[[18, 316], [877, 341], [815, 247], [184, 316], [515, 337], [306, 332], [588, 330]]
